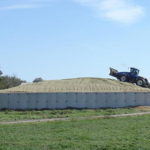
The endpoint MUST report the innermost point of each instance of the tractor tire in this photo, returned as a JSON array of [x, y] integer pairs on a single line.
[[140, 82], [123, 78]]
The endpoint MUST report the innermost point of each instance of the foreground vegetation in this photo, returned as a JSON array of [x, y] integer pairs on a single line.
[[129, 133], [8, 115]]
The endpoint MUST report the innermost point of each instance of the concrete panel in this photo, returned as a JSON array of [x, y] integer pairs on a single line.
[[13, 101], [51, 102], [81, 100], [25, 101], [23, 98], [31, 101], [139, 99], [120, 100], [111, 100], [90, 100], [100, 100], [61, 100], [71, 101], [41, 101], [130, 100], [147, 99], [4, 101]]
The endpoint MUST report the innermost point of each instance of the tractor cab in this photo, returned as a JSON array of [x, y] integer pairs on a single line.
[[134, 71]]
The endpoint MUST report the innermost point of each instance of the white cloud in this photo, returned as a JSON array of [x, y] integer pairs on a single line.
[[25, 4], [123, 11]]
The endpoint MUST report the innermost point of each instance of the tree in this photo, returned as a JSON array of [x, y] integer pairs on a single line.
[[9, 81], [38, 80], [1, 72]]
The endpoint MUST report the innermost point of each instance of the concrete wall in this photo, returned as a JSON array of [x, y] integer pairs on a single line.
[[28, 101]]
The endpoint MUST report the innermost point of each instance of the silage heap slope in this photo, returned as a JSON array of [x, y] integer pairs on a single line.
[[77, 85]]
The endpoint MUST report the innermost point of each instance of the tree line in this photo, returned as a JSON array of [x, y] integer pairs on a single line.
[[7, 81]]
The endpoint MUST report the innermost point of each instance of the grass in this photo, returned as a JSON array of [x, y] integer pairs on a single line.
[[129, 133], [8, 115]]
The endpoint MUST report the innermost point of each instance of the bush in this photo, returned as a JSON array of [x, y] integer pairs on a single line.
[[37, 80], [1, 72], [9, 82]]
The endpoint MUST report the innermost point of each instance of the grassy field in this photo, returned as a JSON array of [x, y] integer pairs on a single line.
[[8, 115], [129, 133]]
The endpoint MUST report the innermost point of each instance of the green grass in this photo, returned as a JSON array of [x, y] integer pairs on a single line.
[[72, 113], [129, 133]]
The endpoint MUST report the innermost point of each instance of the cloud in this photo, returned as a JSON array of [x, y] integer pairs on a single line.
[[25, 4], [123, 11]]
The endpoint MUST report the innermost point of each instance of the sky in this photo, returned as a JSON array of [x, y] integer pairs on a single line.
[[58, 39]]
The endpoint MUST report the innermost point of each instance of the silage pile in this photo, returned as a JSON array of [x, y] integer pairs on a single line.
[[77, 85]]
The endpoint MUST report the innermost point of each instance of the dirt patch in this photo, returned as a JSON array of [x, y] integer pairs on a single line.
[[79, 118], [147, 108]]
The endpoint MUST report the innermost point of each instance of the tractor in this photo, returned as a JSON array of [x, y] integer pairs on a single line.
[[131, 77]]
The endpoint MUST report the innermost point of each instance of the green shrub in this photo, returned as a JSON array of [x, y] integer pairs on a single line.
[[9, 81], [37, 80]]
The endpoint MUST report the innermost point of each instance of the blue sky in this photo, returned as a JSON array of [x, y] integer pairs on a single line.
[[57, 39]]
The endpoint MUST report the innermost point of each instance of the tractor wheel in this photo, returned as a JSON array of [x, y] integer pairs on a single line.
[[140, 82], [123, 78]]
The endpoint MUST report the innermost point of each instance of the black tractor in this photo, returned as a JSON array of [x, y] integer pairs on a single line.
[[132, 77]]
